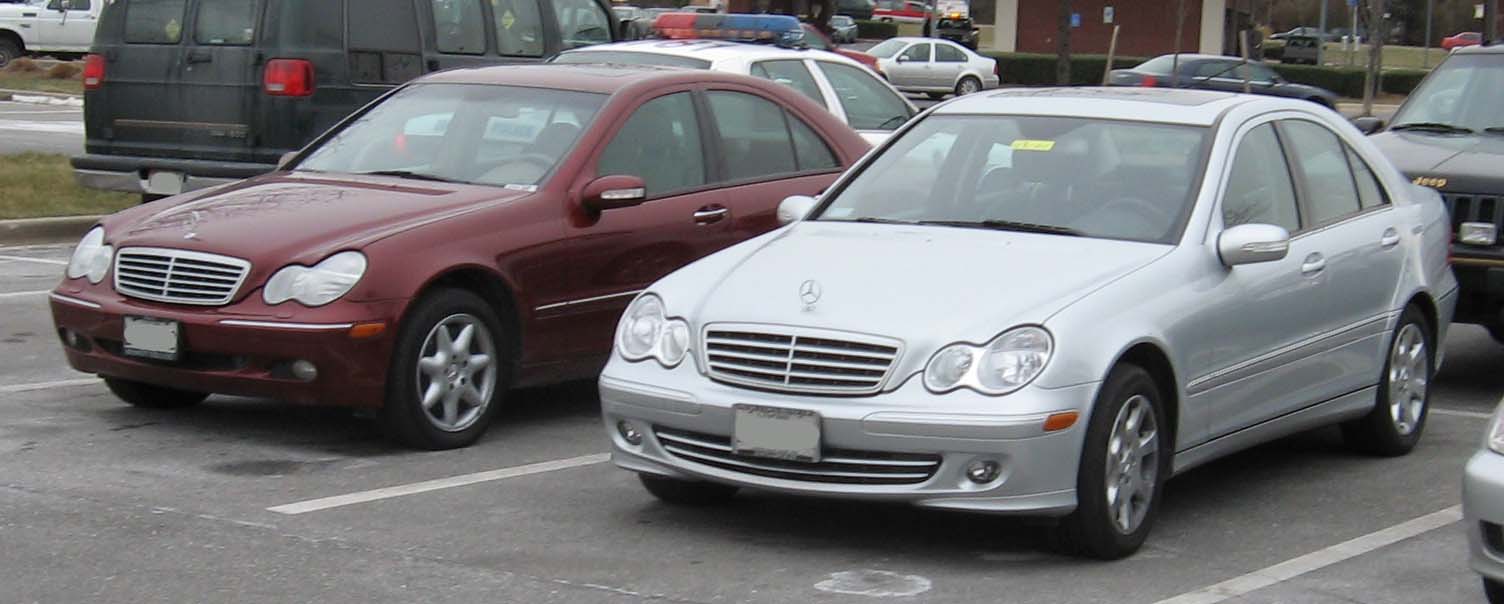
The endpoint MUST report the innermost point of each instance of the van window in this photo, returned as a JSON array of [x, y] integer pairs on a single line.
[[385, 50], [459, 27], [309, 24], [582, 23], [225, 22], [519, 29], [154, 21]]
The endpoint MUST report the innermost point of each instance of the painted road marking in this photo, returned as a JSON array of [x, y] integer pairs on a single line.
[[1317, 560], [48, 127], [874, 584], [1461, 413], [14, 388], [37, 260], [23, 294], [314, 505]]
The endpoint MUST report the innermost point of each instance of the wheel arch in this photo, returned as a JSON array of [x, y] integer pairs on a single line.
[[1151, 357], [491, 287], [14, 36]]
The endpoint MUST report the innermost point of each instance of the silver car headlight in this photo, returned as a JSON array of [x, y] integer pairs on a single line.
[[316, 285], [647, 332], [1007, 363], [92, 257], [1496, 432]]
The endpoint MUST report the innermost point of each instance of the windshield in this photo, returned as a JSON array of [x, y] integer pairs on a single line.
[[1159, 65], [627, 57], [1090, 177], [887, 48], [1463, 92], [480, 134]]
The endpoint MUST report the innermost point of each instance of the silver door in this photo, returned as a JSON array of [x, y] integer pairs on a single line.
[[911, 67]]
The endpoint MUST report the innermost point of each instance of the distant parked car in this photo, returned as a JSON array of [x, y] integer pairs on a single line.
[[61, 28], [844, 28], [935, 67], [1301, 49], [1305, 32], [816, 39], [1216, 72], [1467, 38], [856, 9], [958, 29], [902, 11]]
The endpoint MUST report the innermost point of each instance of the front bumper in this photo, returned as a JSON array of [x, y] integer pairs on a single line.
[[132, 174], [1038, 469], [1483, 512], [1480, 281], [243, 349]]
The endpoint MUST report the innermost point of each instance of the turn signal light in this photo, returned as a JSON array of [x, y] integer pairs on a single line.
[[288, 77], [1149, 81], [93, 72], [362, 331], [1060, 421]]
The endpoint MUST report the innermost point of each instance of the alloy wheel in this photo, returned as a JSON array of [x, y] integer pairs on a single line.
[[1409, 374], [456, 372], [1132, 464], [969, 86]]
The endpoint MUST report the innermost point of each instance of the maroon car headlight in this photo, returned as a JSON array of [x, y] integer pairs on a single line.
[[316, 285], [92, 257]]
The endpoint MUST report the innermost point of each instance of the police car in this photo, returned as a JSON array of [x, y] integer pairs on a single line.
[[769, 47]]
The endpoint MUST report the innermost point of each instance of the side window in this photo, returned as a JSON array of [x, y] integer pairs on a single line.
[[810, 151], [68, 5], [918, 53], [755, 138], [790, 73], [947, 54], [1322, 159], [1260, 191], [385, 50], [225, 22], [519, 29], [660, 144], [321, 24], [869, 104], [1370, 192], [459, 27], [813, 39], [154, 21], [582, 23], [1214, 69]]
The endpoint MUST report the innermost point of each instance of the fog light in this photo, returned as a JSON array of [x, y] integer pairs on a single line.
[[629, 433], [1478, 233], [304, 370], [982, 472]]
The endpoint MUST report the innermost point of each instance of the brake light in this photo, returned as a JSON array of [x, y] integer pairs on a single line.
[[288, 77], [93, 72], [1149, 81]]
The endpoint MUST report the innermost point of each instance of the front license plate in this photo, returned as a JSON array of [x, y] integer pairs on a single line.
[[151, 338], [791, 434], [164, 182]]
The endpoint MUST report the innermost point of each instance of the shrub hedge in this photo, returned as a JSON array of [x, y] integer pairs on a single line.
[[875, 30]]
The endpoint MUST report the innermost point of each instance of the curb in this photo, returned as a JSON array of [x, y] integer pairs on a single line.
[[40, 98], [62, 229]]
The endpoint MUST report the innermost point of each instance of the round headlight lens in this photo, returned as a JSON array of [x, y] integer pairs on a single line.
[[640, 327], [316, 285], [1496, 432], [1014, 359], [675, 342], [91, 258], [948, 367]]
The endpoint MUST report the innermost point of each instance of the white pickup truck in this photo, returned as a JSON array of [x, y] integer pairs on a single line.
[[61, 28]]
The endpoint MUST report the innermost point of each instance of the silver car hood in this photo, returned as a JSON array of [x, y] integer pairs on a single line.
[[924, 285]]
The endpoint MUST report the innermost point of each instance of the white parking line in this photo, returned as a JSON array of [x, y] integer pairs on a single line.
[[24, 294], [1318, 560], [314, 505], [14, 388], [36, 260], [1461, 413], [50, 127]]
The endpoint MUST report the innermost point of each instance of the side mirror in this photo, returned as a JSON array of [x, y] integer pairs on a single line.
[[794, 208], [902, 59], [1368, 124], [1253, 243], [285, 159], [612, 192]]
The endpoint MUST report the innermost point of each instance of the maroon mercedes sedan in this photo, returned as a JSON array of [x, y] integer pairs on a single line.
[[473, 231]]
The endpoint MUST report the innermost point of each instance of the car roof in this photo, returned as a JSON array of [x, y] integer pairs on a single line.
[[1165, 105], [603, 79], [1494, 49], [912, 39], [715, 51]]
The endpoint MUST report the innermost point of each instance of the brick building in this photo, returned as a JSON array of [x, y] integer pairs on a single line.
[[1147, 26]]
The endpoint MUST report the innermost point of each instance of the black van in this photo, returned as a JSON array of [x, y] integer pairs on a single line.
[[184, 94]]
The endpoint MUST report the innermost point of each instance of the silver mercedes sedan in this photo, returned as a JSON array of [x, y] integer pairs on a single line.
[[1483, 509], [1047, 302]]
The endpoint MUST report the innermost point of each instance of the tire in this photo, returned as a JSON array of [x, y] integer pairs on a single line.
[[148, 197], [968, 85], [9, 51], [463, 394], [686, 492], [935, 96], [1497, 333], [150, 396], [1127, 399], [1393, 428], [1494, 590]]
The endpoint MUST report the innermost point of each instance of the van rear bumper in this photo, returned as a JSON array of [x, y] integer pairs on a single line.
[[131, 173]]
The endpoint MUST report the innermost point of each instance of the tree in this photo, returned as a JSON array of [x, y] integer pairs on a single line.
[[1063, 59], [1378, 29]]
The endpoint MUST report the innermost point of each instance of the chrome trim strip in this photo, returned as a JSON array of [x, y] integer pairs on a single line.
[[1311, 346], [587, 300], [279, 325], [68, 300], [712, 460]]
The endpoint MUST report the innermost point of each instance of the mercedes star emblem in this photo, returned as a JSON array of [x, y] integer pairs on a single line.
[[809, 293]]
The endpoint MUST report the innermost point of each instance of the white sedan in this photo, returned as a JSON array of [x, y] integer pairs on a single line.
[[935, 67]]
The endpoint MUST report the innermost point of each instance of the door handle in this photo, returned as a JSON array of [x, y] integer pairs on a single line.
[[1313, 264], [1390, 238], [711, 214], [200, 56]]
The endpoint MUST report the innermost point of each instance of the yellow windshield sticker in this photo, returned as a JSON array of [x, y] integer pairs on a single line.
[[1028, 145]]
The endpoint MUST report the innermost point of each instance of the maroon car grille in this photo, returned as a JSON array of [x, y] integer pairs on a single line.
[[178, 276]]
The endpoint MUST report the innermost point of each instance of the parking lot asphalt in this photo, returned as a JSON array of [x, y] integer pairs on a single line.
[[41, 128], [103, 502]]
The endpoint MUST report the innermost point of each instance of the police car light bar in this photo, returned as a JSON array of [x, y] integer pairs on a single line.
[[783, 30]]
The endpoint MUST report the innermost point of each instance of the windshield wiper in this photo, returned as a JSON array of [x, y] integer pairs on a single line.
[[1008, 225], [1494, 129], [893, 122], [1432, 127], [409, 174], [872, 220]]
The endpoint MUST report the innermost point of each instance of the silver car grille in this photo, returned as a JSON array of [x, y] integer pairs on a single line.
[[1468, 207], [798, 360], [840, 466], [178, 276]]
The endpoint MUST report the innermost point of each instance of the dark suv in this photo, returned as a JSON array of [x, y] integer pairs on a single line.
[[184, 94], [1449, 135]]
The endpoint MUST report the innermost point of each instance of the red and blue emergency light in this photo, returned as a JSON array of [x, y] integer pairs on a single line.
[[783, 30]]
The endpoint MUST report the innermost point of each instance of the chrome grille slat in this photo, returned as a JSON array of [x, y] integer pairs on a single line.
[[798, 360], [837, 466], [179, 276]]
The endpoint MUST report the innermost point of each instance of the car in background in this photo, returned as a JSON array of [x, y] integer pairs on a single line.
[[843, 29], [1046, 302], [935, 67], [1301, 49], [727, 43], [1449, 135], [184, 94], [816, 39], [1216, 72], [856, 9], [958, 29], [624, 16], [902, 11], [1304, 32], [58, 28], [1461, 40], [641, 26], [476, 230]]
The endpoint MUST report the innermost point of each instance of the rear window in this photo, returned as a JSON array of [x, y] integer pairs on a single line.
[[1158, 65], [154, 21], [619, 57], [225, 22]]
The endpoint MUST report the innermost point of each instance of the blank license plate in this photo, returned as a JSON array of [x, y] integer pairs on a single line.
[[164, 182], [791, 434], [151, 338]]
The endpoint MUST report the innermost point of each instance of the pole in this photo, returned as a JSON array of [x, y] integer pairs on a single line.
[[1377, 26], [1425, 60], [1112, 50], [1321, 48], [1490, 21], [1175, 62], [1353, 51], [1247, 71]]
